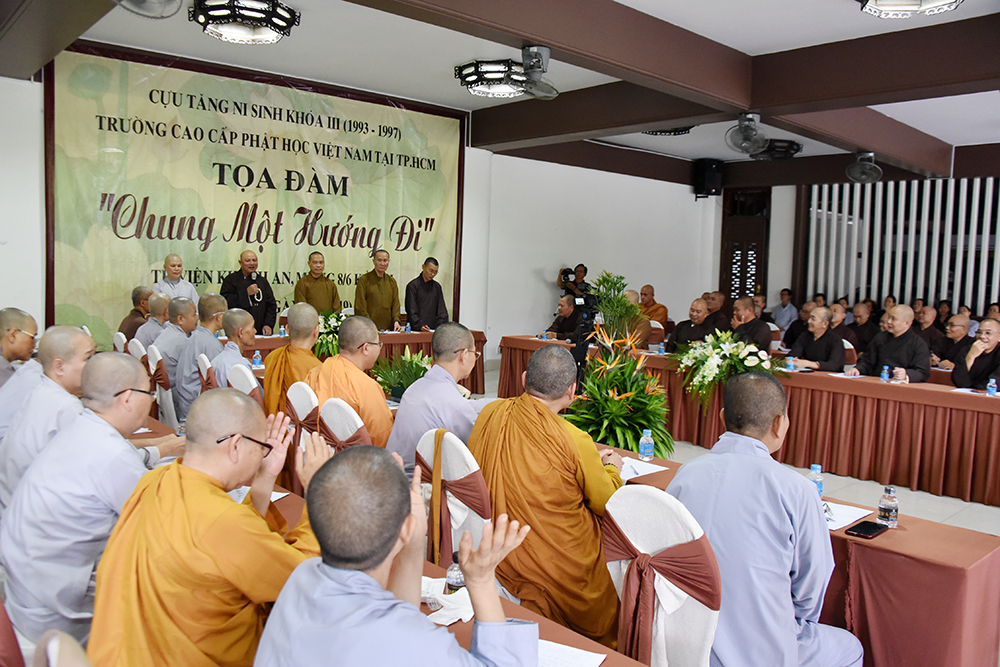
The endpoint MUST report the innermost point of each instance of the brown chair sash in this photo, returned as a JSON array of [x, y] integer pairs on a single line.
[[359, 437], [254, 393], [10, 650], [160, 375], [125, 349], [208, 380], [288, 478], [690, 566], [471, 490]]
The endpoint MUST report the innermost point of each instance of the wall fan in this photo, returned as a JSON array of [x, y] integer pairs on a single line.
[[746, 137], [864, 170]]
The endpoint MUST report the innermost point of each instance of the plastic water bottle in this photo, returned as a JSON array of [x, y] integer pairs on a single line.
[[816, 477], [991, 387], [790, 363], [646, 445], [257, 362], [455, 578], [218, 334], [281, 331], [663, 348], [885, 374], [888, 508], [408, 330]]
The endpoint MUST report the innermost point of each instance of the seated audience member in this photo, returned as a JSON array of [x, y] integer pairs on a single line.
[[839, 326], [157, 320], [289, 364], [546, 473], [425, 306], [820, 299], [848, 315], [316, 289], [188, 575], [360, 602], [211, 308], [345, 376], [786, 313], [993, 310], [982, 361], [690, 330], [918, 304], [883, 322], [973, 323], [936, 341], [172, 284], [566, 326], [61, 515], [748, 326], [717, 319], [239, 328], [639, 326], [759, 305], [820, 348], [576, 287], [958, 345], [137, 316], [18, 331], [943, 315], [51, 406], [655, 312], [769, 533], [437, 400], [173, 340], [902, 350], [864, 329], [799, 326]]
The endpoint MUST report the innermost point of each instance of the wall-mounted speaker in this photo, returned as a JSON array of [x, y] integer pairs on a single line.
[[708, 175]]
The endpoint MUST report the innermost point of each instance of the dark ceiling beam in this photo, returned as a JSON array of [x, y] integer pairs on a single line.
[[589, 113], [602, 36], [603, 157], [800, 171], [946, 59], [865, 129], [33, 32], [979, 160]]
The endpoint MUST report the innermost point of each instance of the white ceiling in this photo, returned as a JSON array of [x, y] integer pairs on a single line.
[[960, 120]]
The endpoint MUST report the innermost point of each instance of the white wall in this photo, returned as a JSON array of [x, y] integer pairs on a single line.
[[475, 239], [779, 252], [22, 187]]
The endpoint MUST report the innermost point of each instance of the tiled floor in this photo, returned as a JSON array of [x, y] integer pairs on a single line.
[[951, 511]]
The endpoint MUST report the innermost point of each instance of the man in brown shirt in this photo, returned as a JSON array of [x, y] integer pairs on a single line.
[[140, 310], [377, 295], [316, 289]]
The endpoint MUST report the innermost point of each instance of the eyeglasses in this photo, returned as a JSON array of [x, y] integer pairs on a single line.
[[475, 352], [267, 447], [141, 391], [378, 342], [32, 336]]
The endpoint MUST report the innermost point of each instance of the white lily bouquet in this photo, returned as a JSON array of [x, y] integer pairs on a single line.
[[712, 361], [327, 344]]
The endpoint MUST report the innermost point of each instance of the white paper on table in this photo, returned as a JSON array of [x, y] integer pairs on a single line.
[[454, 607], [142, 430], [964, 390], [636, 468], [240, 493], [551, 654], [845, 515], [845, 375]]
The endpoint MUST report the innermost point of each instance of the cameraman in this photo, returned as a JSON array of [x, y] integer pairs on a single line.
[[572, 282], [567, 324]]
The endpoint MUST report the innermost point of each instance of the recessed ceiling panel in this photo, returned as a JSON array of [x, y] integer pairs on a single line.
[[960, 120]]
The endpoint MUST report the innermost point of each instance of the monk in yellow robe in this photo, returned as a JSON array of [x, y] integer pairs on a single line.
[[656, 312], [189, 575], [290, 364], [544, 472], [344, 376], [377, 295]]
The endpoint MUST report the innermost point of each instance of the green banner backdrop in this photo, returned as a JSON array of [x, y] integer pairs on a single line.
[[154, 160]]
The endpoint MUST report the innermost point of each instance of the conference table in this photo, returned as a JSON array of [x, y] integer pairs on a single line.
[[926, 437], [392, 344]]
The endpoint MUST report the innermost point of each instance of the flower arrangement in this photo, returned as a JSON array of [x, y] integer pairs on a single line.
[[328, 343], [715, 359], [401, 371], [620, 399]]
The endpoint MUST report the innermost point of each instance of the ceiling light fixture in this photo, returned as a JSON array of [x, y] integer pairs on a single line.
[[509, 78], [675, 132], [904, 9], [244, 21]]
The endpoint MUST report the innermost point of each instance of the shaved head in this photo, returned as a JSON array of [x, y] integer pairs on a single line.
[[221, 412], [551, 371], [139, 294], [356, 331], [60, 342], [357, 503], [158, 304], [632, 295], [108, 373], [209, 305], [302, 319], [15, 318], [745, 302], [449, 339], [179, 307], [752, 401], [234, 320]]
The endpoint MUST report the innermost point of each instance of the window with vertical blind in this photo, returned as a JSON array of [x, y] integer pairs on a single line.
[[933, 239]]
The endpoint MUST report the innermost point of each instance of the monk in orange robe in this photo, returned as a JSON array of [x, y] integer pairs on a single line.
[[544, 472], [344, 376], [189, 575], [656, 312], [290, 364]]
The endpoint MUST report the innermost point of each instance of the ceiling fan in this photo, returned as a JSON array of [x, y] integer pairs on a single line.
[[864, 170]]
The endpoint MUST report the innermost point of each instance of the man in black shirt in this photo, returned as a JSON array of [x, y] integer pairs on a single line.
[[716, 320], [959, 342], [425, 307], [863, 327], [748, 326], [567, 323], [799, 326], [837, 325], [250, 291], [690, 330], [897, 347], [936, 341], [982, 362], [820, 348], [576, 287], [759, 304]]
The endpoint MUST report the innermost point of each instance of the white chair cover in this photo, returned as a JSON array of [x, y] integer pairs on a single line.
[[204, 365], [164, 397], [120, 341], [456, 462], [302, 398], [86, 330], [242, 379], [339, 417], [775, 335], [683, 628], [655, 324], [136, 349]]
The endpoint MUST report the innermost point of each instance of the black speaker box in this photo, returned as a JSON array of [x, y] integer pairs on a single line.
[[708, 175]]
